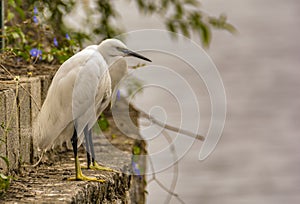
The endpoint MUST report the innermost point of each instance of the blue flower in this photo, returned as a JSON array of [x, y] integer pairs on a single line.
[[67, 36], [35, 19], [34, 52], [55, 42], [35, 10]]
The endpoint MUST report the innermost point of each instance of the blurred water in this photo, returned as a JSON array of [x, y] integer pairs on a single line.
[[257, 159]]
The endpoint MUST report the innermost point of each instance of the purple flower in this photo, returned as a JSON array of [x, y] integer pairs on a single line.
[[136, 169], [67, 36], [35, 10], [34, 52], [35, 19], [118, 95], [55, 42]]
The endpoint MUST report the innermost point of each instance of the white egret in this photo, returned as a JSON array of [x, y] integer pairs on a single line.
[[80, 90]]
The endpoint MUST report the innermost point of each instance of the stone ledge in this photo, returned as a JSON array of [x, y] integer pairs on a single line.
[[47, 183]]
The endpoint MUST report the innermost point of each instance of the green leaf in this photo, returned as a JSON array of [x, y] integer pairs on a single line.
[[171, 26], [113, 136], [192, 3], [205, 34], [5, 160], [136, 150], [20, 12], [4, 183], [103, 123], [50, 57], [2, 125], [220, 23], [164, 4], [179, 11], [3, 176], [10, 15], [19, 2], [184, 29], [230, 28], [15, 35], [12, 3], [140, 4]]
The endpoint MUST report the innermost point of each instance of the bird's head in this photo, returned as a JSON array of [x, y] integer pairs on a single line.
[[112, 49]]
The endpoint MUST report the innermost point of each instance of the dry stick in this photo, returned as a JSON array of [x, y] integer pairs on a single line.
[[176, 169], [39, 161], [171, 191], [169, 127], [173, 185], [167, 190]]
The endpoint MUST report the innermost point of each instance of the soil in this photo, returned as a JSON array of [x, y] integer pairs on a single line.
[[11, 66]]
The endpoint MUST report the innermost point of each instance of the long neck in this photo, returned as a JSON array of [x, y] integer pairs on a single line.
[[111, 60], [108, 58], [117, 71]]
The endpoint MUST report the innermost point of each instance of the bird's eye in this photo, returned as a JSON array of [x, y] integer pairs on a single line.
[[120, 49], [123, 50]]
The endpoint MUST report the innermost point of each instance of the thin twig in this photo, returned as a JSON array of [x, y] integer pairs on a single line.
[[175, 166], [169, 127], [39, 161], [170, 191], [6, 70]]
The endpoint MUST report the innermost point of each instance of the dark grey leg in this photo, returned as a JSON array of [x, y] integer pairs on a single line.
[[74, 143], [91, 145], [88, 142]]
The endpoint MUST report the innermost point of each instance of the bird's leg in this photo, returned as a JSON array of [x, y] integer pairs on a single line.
[[95, 165], [87, 144], [79, 175]]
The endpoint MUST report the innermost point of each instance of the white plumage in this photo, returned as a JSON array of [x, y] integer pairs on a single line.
[[80, 90], [72, 95]]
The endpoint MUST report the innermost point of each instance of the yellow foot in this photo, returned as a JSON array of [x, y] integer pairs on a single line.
[[96, 166], [85, 178], [79, 176]]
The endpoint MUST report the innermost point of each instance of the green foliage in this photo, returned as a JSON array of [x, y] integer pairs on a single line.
[[30, 38], [38, 24], [103, 122], [4, 183], [185, 16], [136, 150], [5, 160], [4, 180]]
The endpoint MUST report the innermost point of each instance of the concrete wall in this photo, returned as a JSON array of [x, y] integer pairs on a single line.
[[20, 102]]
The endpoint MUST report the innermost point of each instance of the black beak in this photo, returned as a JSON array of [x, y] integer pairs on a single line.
[[134, 54]]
